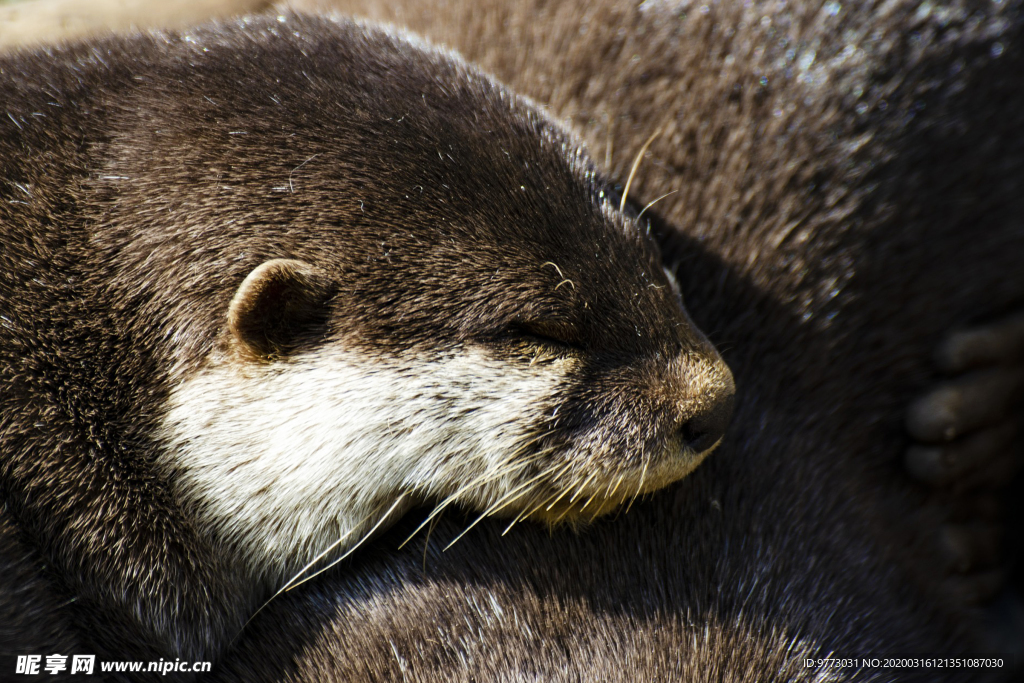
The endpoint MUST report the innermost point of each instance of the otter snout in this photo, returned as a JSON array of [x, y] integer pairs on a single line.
[[705, 429], [706, 394]]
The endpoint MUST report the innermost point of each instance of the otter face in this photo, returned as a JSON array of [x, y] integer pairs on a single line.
[[521, 382], [474, 322]]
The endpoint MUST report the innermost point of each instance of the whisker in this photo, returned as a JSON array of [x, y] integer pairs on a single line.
[[640, 486], [565, 491], [552, 263], [526, 511], [612, 492], [505, 500], [565, 512], [555, 501], [582, 486], [328, 549], [502, 502], [589, 501], [353, 548], [518, 518], [426, 543], [484, 478], [650, 204], [529, 511], [636, 165], [480, 480], [512, 524], [570, 507], [521, 449], [434, 514], [320, 556], [608, 145]]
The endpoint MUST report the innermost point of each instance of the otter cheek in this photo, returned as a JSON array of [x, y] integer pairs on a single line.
[[283, 459]]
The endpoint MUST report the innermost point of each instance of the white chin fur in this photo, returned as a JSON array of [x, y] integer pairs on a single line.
[[282, 459]]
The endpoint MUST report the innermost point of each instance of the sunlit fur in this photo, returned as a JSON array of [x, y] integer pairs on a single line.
[[282, 459], [286, 460], [278, 280]]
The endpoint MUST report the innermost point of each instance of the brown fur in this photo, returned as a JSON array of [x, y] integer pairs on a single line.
[[31, 22], [421, 210], [913, 209], [31, 620], [827, 248]]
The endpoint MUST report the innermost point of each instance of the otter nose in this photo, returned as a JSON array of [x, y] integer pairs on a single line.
[[703, 430]]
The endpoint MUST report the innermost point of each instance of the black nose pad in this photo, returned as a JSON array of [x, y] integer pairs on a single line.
[[703, 430]]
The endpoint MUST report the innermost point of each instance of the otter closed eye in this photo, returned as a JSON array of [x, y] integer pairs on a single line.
[[276, 351], [548, 334]]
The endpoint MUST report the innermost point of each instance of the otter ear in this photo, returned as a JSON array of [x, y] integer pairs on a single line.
[[280, 305]]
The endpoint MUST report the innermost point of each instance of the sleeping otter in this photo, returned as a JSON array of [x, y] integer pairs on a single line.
[[269, 284], [846, 192], [730, 574]]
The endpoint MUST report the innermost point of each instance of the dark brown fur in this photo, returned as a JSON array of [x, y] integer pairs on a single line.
[[31, 620], [801, 530], [798, 537], [145, 178]]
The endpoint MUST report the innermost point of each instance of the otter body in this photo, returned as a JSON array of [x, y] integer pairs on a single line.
[[829, 245], [267, 285], [847, 189]]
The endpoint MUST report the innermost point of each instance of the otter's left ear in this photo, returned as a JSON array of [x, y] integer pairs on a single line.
[[280, 305]]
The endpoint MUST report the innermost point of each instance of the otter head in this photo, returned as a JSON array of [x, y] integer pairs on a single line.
[[444, 306]]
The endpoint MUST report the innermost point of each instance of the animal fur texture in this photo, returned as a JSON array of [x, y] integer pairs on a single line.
[[846, 189], [846, 181], [267, 284]]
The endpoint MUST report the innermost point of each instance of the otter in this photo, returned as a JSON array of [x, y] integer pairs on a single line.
[[802, 539], [268, 284], [845, 193]]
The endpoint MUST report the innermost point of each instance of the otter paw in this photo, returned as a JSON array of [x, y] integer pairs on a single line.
[[968, 428], [968, 447]]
